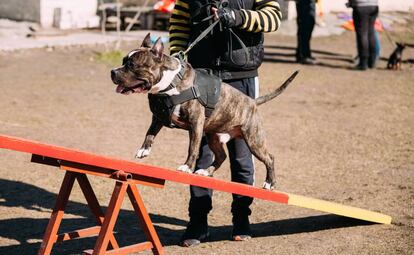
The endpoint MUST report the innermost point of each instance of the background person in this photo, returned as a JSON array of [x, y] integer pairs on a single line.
[[364, 14], [222, 53], [306, 13]]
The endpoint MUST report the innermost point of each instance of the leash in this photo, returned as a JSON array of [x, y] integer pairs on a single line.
[[182, 55], [387, 34], [201, 36]]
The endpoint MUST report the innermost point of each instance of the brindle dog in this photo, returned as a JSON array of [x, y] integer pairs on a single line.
[[148, 70]]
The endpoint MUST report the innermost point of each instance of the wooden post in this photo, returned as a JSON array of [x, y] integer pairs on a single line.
[[110, 218], [52, 228], [94, 204], [146, 222]]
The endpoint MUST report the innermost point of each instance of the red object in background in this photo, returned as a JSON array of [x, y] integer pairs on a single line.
[[378, 26], [349, 25], [164, 6]]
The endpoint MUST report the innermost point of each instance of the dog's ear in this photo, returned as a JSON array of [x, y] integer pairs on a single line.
[[401, 44], [147, 41], [158, 48]]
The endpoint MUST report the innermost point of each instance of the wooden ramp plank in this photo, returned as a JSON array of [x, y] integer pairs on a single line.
[[338, 209], [23, 145]]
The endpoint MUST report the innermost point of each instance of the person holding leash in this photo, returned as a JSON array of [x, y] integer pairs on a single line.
[[232, 50], [364, 13]]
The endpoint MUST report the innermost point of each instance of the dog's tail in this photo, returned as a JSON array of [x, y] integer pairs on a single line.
[[278, 91]]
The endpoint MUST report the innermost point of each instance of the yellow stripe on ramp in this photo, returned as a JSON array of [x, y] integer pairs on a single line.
[[338, 209]]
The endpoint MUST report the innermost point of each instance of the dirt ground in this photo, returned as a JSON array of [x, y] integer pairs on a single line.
[[339, 135]]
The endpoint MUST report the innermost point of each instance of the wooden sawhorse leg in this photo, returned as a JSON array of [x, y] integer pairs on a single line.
[[146, 222], [51, 236], [110, 219], [52, 228], [106, 222]]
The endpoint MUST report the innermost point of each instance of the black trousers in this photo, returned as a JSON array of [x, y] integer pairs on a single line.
[[306, 22], [364, 21], [241, 165]]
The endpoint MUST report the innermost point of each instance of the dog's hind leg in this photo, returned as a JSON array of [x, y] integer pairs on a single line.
[[216, 146], [255, 139]]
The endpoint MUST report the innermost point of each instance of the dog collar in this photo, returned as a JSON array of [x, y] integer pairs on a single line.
[[178, 77]]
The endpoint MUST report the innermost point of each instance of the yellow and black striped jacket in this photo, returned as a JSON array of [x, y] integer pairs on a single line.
[[264, 17]]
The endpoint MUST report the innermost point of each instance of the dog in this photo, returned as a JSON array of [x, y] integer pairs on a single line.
[[395, 59], [148, 70]]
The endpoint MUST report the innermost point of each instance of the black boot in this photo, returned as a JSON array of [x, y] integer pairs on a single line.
[[363, 64], [241, 228], [196, 232], [372, 62]]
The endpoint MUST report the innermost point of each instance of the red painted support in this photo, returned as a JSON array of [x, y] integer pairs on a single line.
[[52, 228], [144, 218], [23, 145]]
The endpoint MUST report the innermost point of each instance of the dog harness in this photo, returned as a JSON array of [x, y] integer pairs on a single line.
[[206, 89]]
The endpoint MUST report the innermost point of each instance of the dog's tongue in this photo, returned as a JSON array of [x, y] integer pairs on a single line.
[[123, 90], [119, 89]]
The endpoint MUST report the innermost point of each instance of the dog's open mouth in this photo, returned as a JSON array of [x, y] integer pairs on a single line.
[[139, 87]]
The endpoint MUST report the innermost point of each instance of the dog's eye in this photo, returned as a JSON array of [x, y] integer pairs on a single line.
[[129, 65]]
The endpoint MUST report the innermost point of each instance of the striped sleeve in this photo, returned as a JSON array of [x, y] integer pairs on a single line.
[[266, 17], [179, 26]]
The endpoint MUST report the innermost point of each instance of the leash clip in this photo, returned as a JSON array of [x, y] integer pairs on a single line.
[[181, 55]]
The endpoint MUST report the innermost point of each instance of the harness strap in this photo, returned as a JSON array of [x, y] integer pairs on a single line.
[[186, 95]]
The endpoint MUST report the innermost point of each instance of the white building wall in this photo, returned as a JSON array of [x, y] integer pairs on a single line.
[[63, 14], [69, 13]]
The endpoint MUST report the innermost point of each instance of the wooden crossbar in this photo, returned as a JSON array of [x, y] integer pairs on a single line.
[[152, 175]]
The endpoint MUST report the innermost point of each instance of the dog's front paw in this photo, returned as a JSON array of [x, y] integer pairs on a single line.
[[202, 172], [143, 152], [184, 168], [269, 186]]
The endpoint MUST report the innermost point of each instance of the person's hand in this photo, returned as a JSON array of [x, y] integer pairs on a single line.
[[226, 16]]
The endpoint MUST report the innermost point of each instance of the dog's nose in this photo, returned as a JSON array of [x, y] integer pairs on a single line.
[[113, 75]]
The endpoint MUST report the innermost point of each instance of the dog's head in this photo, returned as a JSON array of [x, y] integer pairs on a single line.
[[141, 68], [400, 46]]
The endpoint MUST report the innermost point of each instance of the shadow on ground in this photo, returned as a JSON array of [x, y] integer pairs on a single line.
[[287, 54], [28, 232]]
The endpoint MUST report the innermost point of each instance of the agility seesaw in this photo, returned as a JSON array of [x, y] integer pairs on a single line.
[[127, 174]]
